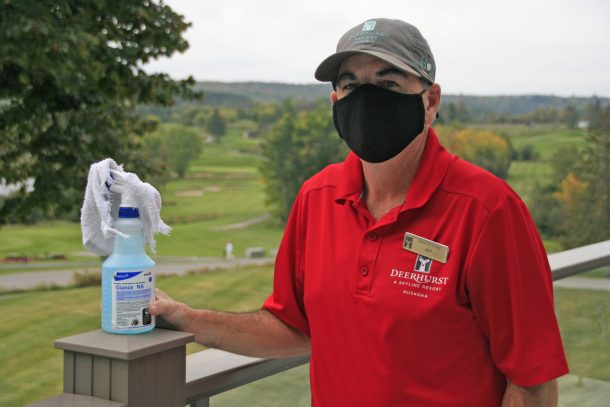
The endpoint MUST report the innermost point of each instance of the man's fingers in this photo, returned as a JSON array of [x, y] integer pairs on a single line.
[[160, 295], [173, 313], [161, 307], [162, 303]]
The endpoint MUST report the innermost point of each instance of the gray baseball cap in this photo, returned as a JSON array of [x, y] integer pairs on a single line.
[[394, 41]]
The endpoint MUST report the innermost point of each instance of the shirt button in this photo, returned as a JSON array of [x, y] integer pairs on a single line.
[[364, 270], [372, 236]]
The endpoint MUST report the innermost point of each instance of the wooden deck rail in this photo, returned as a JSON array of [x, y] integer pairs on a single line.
[[152, 370], [580, 259]]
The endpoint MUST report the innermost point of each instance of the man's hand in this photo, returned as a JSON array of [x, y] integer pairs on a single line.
[[543, 395], [258, 333], [176, 313]]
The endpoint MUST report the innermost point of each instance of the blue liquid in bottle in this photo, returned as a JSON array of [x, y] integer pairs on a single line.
[[128, 281]]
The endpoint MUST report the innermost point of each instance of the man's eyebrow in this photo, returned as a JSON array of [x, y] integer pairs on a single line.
[[346, 76], [392, 71]]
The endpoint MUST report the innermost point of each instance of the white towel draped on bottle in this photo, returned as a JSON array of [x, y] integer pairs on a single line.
[[101, 206]]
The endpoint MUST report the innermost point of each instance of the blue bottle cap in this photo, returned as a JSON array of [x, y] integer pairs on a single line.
[[128, 212]]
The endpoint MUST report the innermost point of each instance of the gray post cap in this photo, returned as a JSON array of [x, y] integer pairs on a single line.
[[394, 41]]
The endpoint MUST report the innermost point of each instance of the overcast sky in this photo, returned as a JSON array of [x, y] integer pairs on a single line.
[[481, 47]]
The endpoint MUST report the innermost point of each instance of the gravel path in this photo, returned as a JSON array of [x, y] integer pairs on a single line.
[[581, 283], [32, 279], [181, 266]]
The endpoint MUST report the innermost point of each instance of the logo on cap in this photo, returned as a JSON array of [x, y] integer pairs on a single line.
[[369, 25], [426, 65]]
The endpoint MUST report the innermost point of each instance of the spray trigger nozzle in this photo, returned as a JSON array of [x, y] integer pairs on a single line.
[[123, 183], [118, 184]]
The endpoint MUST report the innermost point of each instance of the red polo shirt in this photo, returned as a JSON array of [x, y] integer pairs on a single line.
[[389, 329]]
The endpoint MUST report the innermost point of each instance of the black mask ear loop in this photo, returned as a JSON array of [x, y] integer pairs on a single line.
[[424, 91]]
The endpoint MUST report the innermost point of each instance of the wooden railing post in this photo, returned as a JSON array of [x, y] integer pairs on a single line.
[[136, 370]]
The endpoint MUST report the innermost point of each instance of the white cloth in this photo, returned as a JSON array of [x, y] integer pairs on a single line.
[[101, 207]]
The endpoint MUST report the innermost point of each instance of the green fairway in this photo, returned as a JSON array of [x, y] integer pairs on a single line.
[[221, 190], [545, 139], [524, 175]]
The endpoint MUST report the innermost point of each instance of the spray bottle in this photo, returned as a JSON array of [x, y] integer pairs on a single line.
[[128, 280]]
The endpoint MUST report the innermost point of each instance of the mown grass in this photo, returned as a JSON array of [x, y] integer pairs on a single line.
[[40, 240], [222, 187], [584, 320], [545, 139], [31, 369]]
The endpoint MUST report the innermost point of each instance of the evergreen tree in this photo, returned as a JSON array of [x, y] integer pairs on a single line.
[[216, 126]]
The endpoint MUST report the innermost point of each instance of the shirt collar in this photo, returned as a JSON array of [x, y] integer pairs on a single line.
[[431, 171]]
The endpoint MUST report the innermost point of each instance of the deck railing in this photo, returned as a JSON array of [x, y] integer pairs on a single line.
[[153, 370]]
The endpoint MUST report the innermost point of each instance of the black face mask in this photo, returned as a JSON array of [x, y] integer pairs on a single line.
[[377, 123]]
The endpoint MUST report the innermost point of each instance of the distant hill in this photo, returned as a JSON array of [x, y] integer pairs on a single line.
[[225, 93], [245, 94], [519, 104]]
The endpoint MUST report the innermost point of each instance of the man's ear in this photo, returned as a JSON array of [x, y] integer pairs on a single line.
[[434, 102], [333, 97]]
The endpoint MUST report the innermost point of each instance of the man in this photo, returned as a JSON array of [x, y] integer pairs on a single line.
[[415, 278], [229, 250]]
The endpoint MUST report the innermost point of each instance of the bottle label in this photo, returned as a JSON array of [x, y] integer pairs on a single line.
[[132, 293]]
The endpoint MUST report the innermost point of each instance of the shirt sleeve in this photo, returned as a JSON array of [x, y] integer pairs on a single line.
[[510, 288], [286, 302]]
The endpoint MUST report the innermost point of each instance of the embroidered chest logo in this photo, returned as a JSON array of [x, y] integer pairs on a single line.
[[421, 282], [422, 264]]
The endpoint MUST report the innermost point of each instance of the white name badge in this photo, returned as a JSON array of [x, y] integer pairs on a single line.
[[425, 247]]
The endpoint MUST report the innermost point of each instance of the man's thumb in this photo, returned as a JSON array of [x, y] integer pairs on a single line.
[[160, 307]]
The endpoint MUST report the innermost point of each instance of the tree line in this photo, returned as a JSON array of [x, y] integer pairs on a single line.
[[575, 206]]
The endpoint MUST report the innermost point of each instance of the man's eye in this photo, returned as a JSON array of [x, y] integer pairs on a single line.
[[389, 84], [350, 86]]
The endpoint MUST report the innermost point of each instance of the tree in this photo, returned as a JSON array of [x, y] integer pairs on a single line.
[[576, 223], [173, 147], [298, 147], [484, 148], [546, 210], [188, 114], [217, 126], [552, 203], [594, 114], [585, 192], [564, 160], [569, 116], [455, 113], [70, 76], [528, 153]]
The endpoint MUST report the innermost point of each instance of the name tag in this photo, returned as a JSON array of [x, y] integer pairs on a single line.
[[425, 247]]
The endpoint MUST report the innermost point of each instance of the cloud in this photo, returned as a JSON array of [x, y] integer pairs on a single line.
[[481, 47]]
